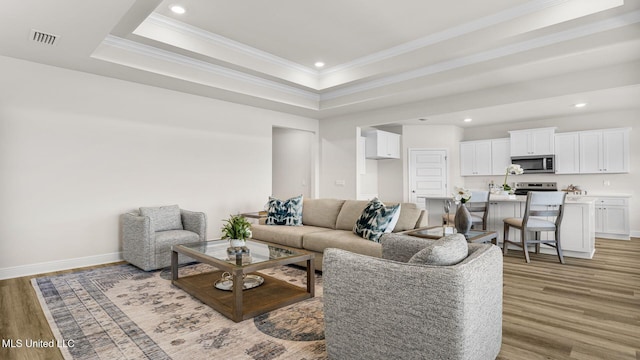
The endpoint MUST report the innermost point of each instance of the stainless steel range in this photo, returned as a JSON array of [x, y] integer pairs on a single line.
[[522, 188]]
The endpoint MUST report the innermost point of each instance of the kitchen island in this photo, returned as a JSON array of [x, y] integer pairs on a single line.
[[577, 232]]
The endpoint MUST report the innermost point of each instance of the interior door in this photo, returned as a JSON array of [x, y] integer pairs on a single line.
[[427, 174]]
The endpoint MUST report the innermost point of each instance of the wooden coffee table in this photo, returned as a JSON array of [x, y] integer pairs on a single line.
[[473, 236], [238, 304]]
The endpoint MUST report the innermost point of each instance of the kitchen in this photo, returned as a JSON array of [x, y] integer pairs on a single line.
[[615, 215]]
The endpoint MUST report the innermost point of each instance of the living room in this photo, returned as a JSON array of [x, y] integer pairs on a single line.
[[83, 142]]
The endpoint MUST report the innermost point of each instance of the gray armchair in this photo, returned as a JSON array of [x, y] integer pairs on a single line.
[[148, 234], [390, 309]]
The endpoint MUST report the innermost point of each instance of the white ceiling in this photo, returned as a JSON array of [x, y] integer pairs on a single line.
[[493, 60]]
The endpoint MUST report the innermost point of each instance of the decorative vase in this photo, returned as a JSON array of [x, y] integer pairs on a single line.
[[236, 243], [463, 220]]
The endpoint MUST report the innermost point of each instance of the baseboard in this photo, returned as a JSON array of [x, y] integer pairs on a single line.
[[612, 236], [635, 233], [45, 267]]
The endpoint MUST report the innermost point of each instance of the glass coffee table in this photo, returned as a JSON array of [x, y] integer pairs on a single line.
[[473, 236], [234, 290]]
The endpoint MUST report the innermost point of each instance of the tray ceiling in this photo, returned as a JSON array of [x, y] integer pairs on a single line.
[[377, 54]]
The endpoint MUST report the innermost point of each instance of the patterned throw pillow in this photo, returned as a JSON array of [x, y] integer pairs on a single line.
[[448, 250], [375, 219], [287, 212]]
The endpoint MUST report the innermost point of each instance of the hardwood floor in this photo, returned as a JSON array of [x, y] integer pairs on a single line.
[[585, 309]]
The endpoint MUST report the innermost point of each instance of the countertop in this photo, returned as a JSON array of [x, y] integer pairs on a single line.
[[571, 199]]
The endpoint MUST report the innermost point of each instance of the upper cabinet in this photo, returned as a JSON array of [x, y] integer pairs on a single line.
[[475, 158], [567, 153], [382, 145], [604, 151], [500, 156], [484, 157], [532, 142]]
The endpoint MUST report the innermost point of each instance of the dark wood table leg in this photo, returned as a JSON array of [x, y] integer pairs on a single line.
[[311, 278], [238, 284], [174, 265]]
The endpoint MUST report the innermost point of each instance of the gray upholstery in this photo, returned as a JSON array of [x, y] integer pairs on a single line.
[[149, 249], [385, 309], [449, 250]]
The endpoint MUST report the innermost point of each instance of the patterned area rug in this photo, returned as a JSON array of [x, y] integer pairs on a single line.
[[121, 312]]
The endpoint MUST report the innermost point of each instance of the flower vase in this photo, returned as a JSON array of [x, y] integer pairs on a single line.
[[463, 221], [236, 243]]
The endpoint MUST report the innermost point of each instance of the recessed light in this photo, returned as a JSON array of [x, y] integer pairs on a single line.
[[178, 9], [579, 105], [319, 64], [423, 119], [468, 120]]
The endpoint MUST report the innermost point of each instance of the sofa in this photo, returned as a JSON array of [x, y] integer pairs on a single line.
[[399, 309], [328, 223]]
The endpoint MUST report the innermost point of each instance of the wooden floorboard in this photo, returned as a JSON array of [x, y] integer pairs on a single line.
[[585, 309]]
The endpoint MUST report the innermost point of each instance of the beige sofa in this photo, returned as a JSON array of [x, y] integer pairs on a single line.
[[328, 223]]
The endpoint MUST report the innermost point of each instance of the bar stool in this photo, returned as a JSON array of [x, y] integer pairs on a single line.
[[478, 206], [539, 203]]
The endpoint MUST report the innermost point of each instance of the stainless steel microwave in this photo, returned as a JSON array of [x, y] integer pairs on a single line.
[[536, 163]]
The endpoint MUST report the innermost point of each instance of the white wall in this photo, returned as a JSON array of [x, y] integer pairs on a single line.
[[293, 154], [77, 150], [594, 184], [434, 137]]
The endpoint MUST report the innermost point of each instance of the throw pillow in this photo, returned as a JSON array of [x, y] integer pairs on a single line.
[[394, 220], [448, 250], [288, 212], [164, 217], [375, 219]]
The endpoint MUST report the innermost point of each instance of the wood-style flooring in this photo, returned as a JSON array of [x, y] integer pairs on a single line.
[[585, 309]]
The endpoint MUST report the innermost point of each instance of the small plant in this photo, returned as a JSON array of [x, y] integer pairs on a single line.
[[236, 227]]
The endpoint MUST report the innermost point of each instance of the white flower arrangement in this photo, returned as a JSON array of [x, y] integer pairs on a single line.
[[513, 169], [461, 195]]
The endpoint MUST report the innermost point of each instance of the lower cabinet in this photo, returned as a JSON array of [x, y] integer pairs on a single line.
[[577, 232], [499, 210], [612, 218]]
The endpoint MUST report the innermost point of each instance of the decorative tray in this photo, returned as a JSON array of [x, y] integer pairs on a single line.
[[250, 281]]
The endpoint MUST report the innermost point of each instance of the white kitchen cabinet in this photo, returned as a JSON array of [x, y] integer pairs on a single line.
[[475, 158], [382, 145], [500, 155], [532, 142], [604, 151], [498, 211], [567, 147], [612, 218]]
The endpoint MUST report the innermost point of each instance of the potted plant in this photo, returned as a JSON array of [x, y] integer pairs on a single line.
[[462, 219], [237, 229]]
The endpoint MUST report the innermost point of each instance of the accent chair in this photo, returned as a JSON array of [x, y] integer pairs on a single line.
[[149, 233], [393, 308]]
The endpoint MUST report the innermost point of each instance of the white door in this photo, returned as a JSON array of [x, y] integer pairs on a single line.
[[427, 174]]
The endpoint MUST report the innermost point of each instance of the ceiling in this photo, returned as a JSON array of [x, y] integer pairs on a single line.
[[494, 60]]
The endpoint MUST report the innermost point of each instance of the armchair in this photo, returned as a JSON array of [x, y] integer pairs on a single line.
[[148, 234], [389, 309]]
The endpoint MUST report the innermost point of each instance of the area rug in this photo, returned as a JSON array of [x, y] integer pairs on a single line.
[[121, 312]]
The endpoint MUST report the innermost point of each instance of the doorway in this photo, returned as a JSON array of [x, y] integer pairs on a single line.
[[427, 174]]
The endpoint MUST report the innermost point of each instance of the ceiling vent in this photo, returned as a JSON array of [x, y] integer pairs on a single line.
[[43, 38]]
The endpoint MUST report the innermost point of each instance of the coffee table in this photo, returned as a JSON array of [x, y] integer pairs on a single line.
[[235, 303], [473, 236]]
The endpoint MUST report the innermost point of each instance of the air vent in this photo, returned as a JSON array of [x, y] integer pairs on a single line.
[[43, 38]]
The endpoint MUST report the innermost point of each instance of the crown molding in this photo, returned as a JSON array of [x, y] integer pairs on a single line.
[[164, 55], [577, 32], [175, 25]]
